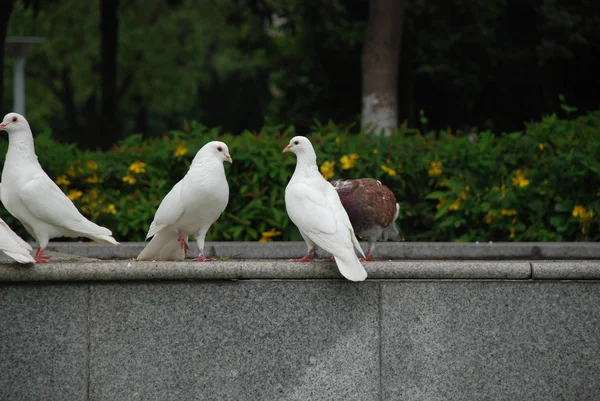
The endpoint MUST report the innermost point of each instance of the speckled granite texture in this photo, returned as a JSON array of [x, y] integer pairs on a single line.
[[319, 339]]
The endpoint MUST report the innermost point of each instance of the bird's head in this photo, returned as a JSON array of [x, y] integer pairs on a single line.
[[14, 122], [300, 145], [219, 150]]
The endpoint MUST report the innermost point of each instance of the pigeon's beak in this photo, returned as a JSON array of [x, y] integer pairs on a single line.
[[229, 159], [3, 125], [287, 149]]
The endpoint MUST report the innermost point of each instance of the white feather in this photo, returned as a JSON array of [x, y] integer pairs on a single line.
[[315, 208], [191, 207], [33, 198], [12, 245]]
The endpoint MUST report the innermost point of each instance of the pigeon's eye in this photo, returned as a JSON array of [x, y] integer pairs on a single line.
[[220, 149], [14, 120], [296, 142]]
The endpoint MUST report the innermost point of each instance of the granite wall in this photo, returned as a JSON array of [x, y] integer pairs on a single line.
[[300, 340]]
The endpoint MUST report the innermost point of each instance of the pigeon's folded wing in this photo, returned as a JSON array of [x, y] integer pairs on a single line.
[[169, 211], [47, 202], [313, 215]]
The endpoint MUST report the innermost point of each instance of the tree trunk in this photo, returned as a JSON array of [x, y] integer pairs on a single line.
[[5, 11], [109, 112], [381, 55]]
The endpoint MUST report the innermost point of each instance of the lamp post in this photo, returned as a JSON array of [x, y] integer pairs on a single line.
[[17, 47]]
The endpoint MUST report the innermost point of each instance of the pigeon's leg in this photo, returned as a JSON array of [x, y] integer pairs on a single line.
[[182, 239], [39, 256], [368, 257], [200, 235], [307, 257]]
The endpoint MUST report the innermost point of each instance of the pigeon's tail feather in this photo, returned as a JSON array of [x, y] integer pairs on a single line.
[[93, 231], [21, 257], [356, 244], [103, 239], [163, 246], [350, 267]]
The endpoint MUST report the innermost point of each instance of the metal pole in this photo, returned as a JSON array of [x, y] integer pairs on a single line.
[[19, 85]]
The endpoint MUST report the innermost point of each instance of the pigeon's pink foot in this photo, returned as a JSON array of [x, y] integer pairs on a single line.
[[202, 258], [40, 258], [306, 258], [367, 258], [183, 243], [329, 260]]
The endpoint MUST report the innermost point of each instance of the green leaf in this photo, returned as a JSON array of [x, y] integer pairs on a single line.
[[436, 195], [564, 206]]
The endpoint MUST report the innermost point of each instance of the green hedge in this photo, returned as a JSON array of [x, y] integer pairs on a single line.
[[536, 185]]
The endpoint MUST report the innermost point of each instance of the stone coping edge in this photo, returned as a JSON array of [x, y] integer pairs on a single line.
[[120, 270], [383, 250]]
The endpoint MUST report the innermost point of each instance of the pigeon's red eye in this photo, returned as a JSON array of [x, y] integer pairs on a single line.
[[14, 120], [220, 149], [296, 142]]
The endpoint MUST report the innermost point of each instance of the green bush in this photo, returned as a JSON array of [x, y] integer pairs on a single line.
[[536, 185]]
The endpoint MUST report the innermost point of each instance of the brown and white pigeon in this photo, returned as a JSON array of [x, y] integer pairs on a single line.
[[372, 209], [315, 208], [34, 199], [191, 207]]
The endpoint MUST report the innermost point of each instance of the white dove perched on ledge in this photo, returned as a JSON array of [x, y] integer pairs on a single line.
[[13, 245], [34, 199], [191, 207], [315, 208]]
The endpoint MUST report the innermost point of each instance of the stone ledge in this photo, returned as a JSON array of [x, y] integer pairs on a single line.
[[86, 270], [566, 270], [383, 250]]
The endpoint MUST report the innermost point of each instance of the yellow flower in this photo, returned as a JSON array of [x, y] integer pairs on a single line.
[[508, 212], [110, 209], [92, 165], [440, 203], [129, 179], [74, 194], [519, 179], [375, 151], [180, 151], [62, 180], [349, 161], [512, 232], [71, 170], [489, 217], [541, 146], [267, 236], [388, 170], [93, 179], [455, 205], [337, 140], [436, 168], [327, 169], [578, 211], [138, 167]]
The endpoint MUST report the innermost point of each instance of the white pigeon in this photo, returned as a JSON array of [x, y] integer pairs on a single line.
[[34, 199], [191, 207], [12, 245], [314, 206]]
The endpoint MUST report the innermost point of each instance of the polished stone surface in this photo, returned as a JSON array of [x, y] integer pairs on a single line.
[[234, 269], [490, 341], [43, 342], [234, 341]]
